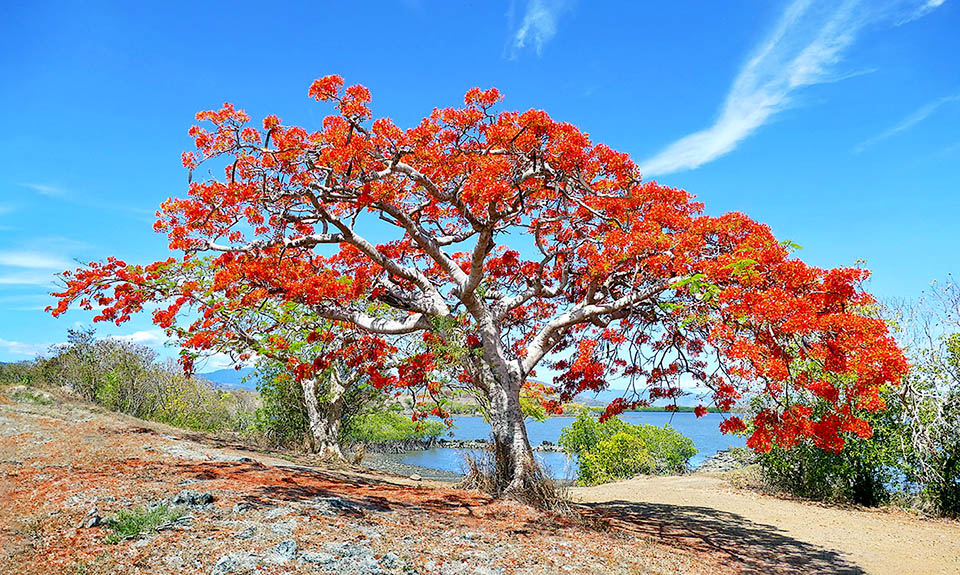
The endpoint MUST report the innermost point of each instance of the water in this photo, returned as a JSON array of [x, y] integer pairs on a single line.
[[703, 431]]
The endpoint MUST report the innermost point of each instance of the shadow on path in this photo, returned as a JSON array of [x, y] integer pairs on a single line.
[[755, 548]]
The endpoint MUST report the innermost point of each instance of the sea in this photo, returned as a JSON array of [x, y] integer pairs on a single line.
[[704, 432]]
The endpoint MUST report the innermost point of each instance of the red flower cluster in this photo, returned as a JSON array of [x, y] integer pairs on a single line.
[[622, 279]]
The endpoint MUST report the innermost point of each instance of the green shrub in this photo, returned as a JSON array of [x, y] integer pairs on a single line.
[[281, 419], [139, 522], [618, 456], [616, 449], [385, 426], [20, 373], [29, 396]]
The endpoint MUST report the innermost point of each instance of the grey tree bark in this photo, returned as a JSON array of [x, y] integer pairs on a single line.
[[324, 418]]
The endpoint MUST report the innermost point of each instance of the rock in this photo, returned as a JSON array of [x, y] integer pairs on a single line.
[[727, 460], [278, 512], [284, 551], [391, 561], [235, 563], [316, 557], [348, 549], [337, 506], [367, 566], [192, 498], [181, 523], [416, 477], [242, 507], [248, 533], [92, 519]]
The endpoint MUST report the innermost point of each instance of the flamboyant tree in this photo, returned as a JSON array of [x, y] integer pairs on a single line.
[[514, 242]]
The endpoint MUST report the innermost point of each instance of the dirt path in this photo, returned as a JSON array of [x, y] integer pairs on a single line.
[[781, 536]]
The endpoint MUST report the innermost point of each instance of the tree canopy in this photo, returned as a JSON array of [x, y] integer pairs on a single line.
[[513, 242]]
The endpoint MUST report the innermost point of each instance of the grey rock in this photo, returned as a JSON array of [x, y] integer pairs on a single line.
[[242, 507], [192, 498], [235, 563], [278, 512], [181, 523], [283, 528], [727, 460], [367, 566], [248, 533], [316, 557], [337, 506], [282, 552], [391, 561], [92, 519], [348, 549], [416, 477]]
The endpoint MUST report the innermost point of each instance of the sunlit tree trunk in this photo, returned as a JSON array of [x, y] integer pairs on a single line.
[[515, 466], [324, 418]]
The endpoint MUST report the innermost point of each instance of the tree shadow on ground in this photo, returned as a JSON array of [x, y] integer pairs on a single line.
[[755, 548]]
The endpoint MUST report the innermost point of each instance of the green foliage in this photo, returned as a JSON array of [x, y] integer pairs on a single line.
[[616, 449], [913, 456], [281, 419], [619, 456], [383, 426], [21, 373], [126, 377], [29, 396], [140, 522], [191, 404]]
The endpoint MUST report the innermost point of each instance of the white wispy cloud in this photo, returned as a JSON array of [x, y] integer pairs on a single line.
[[45, 279], [45, 190], [539, 25], [25, 302], [921, 11], [34, 260], [144, 337], [801, 50], [905, 124], [20, 348]]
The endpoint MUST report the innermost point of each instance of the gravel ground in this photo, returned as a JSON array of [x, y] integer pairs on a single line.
[[67, 470]]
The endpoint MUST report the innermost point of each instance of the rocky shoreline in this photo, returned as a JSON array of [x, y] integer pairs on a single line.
[[727, 460], [442, 442]]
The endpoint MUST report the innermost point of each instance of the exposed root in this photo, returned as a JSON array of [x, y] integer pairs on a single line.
[[531, 485]]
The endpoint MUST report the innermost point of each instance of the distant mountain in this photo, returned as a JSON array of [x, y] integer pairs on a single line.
[[233, 378]]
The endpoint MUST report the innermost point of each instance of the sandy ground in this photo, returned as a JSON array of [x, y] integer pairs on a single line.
[[706, 510]]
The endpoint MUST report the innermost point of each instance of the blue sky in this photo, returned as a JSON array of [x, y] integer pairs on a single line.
[[837, 123]]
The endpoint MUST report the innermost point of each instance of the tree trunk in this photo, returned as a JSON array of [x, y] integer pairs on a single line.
[[324, 420], [516, 472]]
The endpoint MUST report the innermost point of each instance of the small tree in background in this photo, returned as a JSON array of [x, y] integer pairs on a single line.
[[515, 239], [930, 396]]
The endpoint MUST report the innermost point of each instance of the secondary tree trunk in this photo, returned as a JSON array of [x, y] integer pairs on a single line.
[[324, 419]]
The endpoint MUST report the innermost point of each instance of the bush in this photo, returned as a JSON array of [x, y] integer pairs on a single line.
[[139, 522], [20, 373], [384, 426], [616, 449], [618, 456], [281, 420], [865, 472]]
